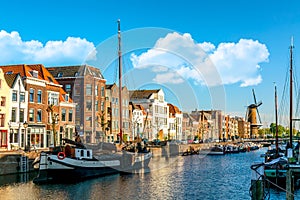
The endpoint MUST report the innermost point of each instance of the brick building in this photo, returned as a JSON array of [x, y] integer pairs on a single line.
[[43, 91], [86, 85]]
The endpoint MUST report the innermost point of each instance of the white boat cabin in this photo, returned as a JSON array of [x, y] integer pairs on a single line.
[[83, 153]]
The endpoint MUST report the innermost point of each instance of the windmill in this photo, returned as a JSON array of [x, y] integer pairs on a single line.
[[251, 116]]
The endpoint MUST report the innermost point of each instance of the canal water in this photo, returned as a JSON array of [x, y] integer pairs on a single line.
[[182, 177]]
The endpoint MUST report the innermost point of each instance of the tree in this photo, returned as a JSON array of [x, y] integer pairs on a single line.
[[54, 118], [281, 130]]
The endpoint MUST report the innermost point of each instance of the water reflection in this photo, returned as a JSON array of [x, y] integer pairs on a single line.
[[189, 177]]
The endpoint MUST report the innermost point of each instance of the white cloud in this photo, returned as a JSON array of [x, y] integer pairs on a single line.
[[71, 51], [228, 63]]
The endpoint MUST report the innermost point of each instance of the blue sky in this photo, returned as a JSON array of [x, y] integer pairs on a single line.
[[65, 32]]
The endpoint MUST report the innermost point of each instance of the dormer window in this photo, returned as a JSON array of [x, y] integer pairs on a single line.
[[67, 97], [60, 74], [9, 72], [76, 74], [34, 73]]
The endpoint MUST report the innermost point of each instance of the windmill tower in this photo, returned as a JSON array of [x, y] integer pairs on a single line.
[[251, 116]]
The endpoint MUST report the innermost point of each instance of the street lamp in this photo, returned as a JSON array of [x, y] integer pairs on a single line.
[[25, 125]]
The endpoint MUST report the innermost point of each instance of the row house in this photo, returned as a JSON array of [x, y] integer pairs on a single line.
[[43, 91], [113, 114], [175, 123], [190, 126], [18, 111], [154, 103], [204, 129], [137, 121], [5, 99], [230, 128], [86, 85], [243, 128]]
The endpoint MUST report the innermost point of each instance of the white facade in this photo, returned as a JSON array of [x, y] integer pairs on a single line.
[[18, 114], [137, 123], [160, 113]]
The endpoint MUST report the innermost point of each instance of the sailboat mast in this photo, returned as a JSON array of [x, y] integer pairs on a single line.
[[120, 81], [276, 121], [291, 93]]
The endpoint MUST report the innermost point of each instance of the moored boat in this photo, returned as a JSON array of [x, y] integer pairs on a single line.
[[73, 163], [216, 150]]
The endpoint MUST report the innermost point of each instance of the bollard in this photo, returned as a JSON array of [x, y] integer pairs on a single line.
[[257, 185]]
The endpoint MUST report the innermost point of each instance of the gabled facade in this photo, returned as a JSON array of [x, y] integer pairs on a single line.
[[43, 91], [5, 100], [154, 101], [113, 109], [86, 85], [137, 121], [18, 111], [189, 127], [175, 123]]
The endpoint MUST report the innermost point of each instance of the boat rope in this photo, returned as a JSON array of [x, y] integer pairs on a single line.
[[262, 177]]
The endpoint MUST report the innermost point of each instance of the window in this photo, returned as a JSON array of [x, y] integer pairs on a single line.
[[14, 96], [77, 89], [39, 96], [0, 83], [52, 98], [96, 90], [39, 115], [88, 105], [67, 97], [70, 115], [60, 74], [2, 118], [31, 95], [68, 88], [88, 121], [3, 99], [102, 105], [22, 96], [96, 105], [63, 115], [21, 118], [102, 91], [31, 115], [88, 90], [13, 114]]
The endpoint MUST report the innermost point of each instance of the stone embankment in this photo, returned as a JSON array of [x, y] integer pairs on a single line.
[[12, 162]]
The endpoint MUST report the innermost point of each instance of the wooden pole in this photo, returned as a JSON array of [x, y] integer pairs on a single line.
[[289, 185], [257, 185]]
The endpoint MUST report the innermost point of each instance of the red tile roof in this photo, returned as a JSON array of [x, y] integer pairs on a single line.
[[26, 70]]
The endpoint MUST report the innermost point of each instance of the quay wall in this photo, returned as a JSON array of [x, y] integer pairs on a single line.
[[13, 162], [177, 149]]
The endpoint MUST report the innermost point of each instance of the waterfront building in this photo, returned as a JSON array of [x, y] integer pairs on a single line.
[[227, 127], [174, 123], [154, 101], [5, 100], [243, 128], [43, 91], [203, 118], [113, 110], [17, 114], [86, 85], [189, 127], [137, 121], [112, 96]]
